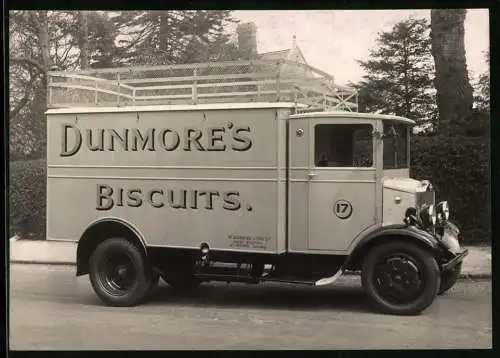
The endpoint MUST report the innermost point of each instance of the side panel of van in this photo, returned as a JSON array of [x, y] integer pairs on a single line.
[[180, 177]]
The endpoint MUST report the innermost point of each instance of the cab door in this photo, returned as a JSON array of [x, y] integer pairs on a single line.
[[341, 182]]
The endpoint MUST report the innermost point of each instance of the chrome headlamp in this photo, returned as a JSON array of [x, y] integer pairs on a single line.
[[443, 211], [428, 215]]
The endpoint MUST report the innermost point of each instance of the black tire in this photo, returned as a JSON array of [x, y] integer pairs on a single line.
[[405, 269], [449, 278], [119, 273]]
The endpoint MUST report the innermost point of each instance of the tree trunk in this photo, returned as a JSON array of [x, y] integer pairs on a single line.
[[164, 34], [44, 38], [454, 92], [83, 39], [40, 104]]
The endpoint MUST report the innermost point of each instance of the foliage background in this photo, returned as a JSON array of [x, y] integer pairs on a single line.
[[27, 194], [458, 168]]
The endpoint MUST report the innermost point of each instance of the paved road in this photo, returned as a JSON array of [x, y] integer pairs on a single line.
[[52, 309]]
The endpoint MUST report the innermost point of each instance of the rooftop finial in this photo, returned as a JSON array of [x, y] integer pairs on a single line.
[[294, 39]]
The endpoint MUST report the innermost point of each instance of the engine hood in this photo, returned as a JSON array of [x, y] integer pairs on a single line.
[[407, 185]]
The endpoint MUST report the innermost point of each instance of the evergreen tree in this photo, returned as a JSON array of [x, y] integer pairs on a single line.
[[399, 73], [219, 49], [168, 37], [96, 35]]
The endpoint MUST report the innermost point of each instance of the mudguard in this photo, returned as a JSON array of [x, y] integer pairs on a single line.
[[89, 240], [401, 230]]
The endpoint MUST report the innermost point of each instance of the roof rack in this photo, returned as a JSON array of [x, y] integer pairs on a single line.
[[211, 82]]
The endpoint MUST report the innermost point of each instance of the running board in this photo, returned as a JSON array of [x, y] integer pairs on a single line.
[[297, 281], [269, 278], [329, 280], [227, 278], [248, 279]]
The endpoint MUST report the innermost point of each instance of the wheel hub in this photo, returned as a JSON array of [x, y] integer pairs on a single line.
[[118, 274], [122, 272], [399, 278]]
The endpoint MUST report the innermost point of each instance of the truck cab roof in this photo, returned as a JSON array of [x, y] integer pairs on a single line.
[[356, 115]]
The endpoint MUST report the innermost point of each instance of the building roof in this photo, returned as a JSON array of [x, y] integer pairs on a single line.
[[275, 55], [293, 51]]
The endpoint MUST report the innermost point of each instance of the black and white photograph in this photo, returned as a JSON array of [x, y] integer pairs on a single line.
[[249, 180]]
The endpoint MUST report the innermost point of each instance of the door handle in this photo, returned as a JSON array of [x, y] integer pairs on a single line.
[[311, 175]]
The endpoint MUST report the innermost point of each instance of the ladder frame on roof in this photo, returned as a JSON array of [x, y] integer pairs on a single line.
[[210, 82]]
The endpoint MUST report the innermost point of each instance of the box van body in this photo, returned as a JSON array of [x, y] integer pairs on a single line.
[[244, 192], [179, 175]]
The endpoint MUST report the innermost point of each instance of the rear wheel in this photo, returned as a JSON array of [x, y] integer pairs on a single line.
[[119, 273], [401, 278]]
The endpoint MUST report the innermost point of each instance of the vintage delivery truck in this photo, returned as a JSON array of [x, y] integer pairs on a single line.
[[196, 173]]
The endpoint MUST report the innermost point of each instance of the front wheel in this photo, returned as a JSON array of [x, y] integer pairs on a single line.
[[401, 278], [119, 273]]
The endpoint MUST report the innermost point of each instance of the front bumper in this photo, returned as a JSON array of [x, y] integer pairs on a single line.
[[458, 258], [455, 254]]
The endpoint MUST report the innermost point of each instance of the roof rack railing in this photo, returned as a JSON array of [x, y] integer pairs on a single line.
[[210, 82]]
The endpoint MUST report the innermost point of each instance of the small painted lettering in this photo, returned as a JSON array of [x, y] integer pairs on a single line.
[[250, 242]]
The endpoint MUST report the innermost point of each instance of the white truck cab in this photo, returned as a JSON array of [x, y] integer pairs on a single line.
[[241, 186]]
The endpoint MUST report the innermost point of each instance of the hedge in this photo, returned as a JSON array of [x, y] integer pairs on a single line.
[[27, 194], [457, 167]]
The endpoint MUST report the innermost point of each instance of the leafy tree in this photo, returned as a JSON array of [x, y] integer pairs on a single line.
[[29, 60], [38, 41], [399, 73], [454, 91], [478, 125], [482, 89]]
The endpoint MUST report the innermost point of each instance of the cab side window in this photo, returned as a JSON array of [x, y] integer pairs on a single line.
[[343, 145]]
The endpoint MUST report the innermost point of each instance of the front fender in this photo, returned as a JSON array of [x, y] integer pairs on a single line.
[[402, 230], [389, 232]]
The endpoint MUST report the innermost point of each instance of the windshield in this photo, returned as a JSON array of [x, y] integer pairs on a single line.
[[395, 145]]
